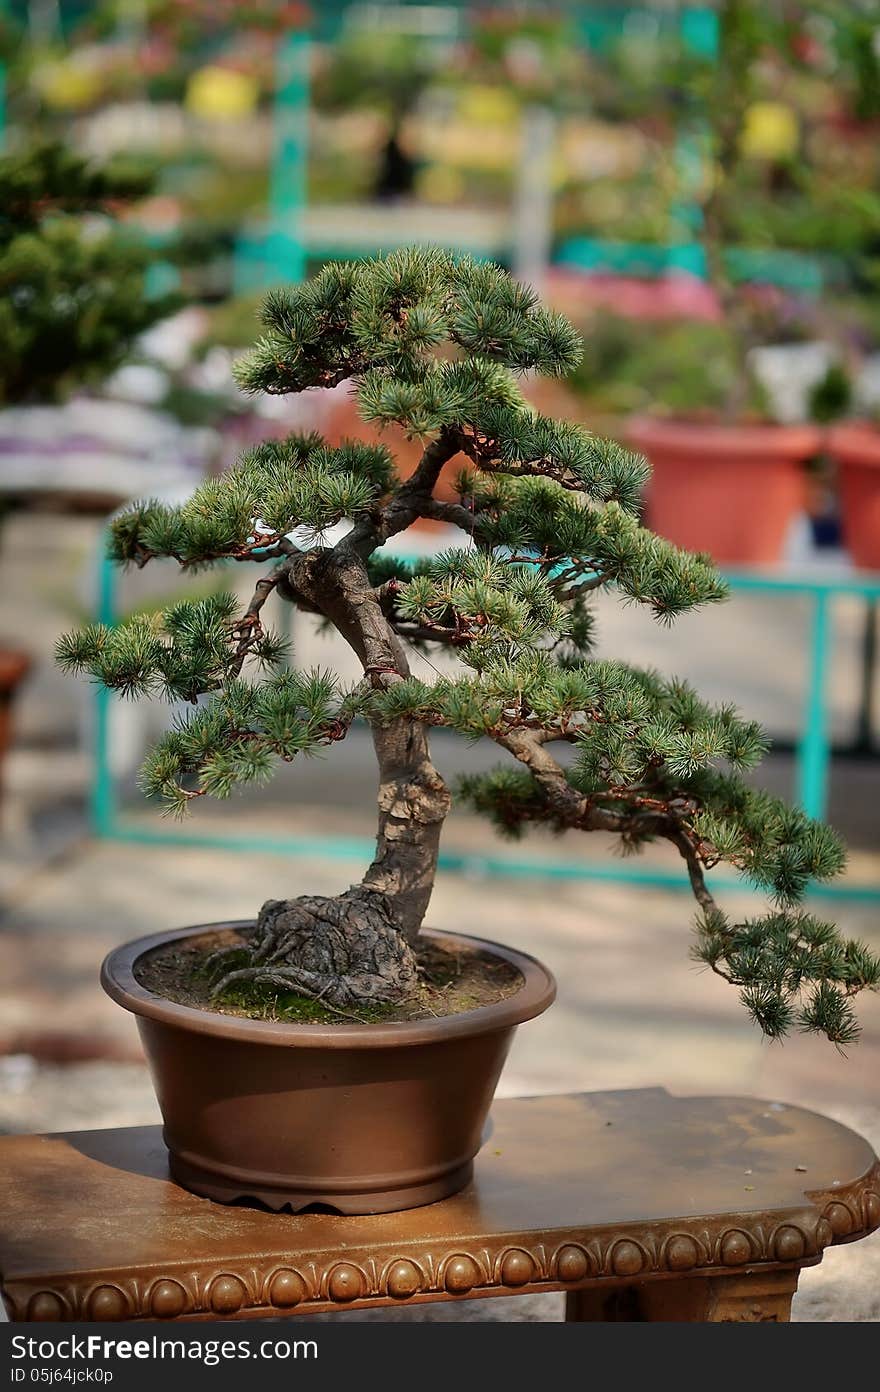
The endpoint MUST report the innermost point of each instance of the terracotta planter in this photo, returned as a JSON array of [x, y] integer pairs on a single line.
[[363, 1118], [731, 490], [855, 447], [14, 667]]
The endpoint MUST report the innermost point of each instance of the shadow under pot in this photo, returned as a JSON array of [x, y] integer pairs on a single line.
[[362, 1118]]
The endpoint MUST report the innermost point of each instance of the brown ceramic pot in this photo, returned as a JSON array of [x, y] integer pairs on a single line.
[[731, 490], [855, 447], [362, 1118]]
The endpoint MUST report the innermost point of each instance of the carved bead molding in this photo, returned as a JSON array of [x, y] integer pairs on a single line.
[[523, 1263]]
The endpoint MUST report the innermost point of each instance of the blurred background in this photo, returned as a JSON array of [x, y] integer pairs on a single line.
[[698, 187]]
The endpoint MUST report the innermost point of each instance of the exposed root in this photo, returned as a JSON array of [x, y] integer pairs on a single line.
[[343, 950]]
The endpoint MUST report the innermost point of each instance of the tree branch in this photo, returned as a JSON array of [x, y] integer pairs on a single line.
[[677, 835], [566, 802], [336, 584], [566, 587], [483, 454], [577, 810], [266, 548], [429, 633], [456, 514], [322, 377], [415, 494], [264, 587]]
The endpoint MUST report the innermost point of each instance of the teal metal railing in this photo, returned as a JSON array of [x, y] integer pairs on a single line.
[[813, 763]]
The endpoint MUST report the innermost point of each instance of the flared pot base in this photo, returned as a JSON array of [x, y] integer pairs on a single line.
[[228, 1191]]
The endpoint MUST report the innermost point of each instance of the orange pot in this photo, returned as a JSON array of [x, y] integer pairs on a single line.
[[731, 490], [13, 670], [855, 447]]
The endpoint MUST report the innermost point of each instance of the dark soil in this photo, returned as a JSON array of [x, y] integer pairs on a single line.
[[451, 982]]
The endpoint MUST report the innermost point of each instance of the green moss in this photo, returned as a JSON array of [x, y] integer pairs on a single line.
[[265, 1003]]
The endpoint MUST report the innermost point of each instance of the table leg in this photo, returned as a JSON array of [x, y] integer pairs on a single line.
[[757, 1297], [603, 1306], [751, 1299]]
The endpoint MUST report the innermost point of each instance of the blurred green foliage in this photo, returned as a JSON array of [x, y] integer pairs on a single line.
[[678, 368], [73, 291]]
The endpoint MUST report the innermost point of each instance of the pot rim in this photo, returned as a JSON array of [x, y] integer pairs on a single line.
[[856, 443], [796, 440], [537, 992]]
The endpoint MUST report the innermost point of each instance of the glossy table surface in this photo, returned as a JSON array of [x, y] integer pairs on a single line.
[[570, 1192]]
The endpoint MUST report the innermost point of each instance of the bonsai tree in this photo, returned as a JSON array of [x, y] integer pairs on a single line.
[[547, 514], [74, 296], [386, 72]]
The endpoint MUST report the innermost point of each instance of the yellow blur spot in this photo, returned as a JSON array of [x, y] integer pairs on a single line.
[[67, 85], [770, 131], [220, 94], [488, 106]]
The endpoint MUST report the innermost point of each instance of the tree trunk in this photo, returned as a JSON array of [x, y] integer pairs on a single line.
[[413, 804], [356, 948]]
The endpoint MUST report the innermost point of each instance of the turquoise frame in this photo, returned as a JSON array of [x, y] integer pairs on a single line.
[[813, 766], [814, 745]]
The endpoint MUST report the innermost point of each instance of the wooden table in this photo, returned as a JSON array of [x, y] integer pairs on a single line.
[[640, 1205]]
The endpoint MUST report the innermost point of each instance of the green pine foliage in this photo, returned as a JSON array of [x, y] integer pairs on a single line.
[[382, 321], [72, 279], [549, 514], [238, 736], [178, 654], [792, 969], [274, 489]]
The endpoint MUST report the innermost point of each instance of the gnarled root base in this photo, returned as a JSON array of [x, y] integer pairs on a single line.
[[345, 950]]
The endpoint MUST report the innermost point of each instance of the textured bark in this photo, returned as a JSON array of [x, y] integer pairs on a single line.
[[357, 948], [413, 804], [344, 950]]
